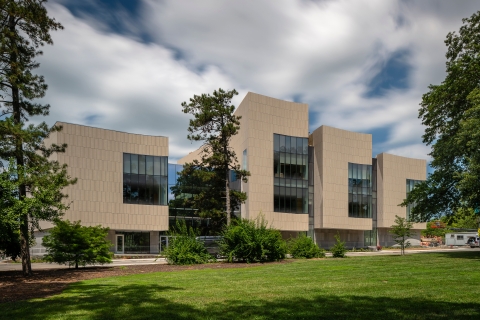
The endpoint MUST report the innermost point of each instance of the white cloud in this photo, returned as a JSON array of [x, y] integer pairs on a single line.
[[324, 52]]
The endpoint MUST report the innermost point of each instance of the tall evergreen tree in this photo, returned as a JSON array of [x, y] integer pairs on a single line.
[[25, 28], [214, 123], [451, 113]]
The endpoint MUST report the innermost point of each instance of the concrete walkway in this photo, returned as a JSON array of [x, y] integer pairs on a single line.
[[132, 262]]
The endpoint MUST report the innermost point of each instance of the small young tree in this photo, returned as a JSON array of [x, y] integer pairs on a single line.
[[338, 250], [401, 230], [303, 247], [215, 124], [73, 244]]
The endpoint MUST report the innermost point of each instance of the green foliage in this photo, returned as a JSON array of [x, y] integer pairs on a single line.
[[184, 248], [338, 250], [450, 113], [401, 231], [435, 229], [43, 183], [464, 218], [201, 188], [72, 244], [304, 247], [252, 241], [214, 123], [25, 27]]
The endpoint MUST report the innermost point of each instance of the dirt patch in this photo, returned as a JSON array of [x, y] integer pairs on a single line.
[[47, 282]]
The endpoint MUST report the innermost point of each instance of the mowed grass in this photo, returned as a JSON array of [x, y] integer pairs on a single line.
[[417, 286]]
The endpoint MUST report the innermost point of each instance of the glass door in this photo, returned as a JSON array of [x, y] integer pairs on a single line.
[[119, 244], [163, 243]]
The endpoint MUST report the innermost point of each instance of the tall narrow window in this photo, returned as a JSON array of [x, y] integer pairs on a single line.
[[290, 174], [359, 190], [410, 185], [244, 160]]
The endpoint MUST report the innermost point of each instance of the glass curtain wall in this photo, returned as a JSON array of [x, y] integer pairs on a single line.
[[290, 166], [410, 185], [136, 242], [359, 190], [144, 179]]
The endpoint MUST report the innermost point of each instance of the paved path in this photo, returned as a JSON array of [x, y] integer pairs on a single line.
[[129, 262], [120, 262]]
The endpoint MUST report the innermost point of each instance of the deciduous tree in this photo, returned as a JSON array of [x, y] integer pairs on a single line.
[[73, 244], [401, 231], [450, 112], [215, 123]]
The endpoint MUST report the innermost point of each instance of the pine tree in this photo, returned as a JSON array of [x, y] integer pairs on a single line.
[[25, 28], [215, 123]]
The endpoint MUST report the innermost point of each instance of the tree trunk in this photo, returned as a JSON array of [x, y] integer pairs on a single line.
[[25, 247], [17, 118], [76, 264], [227, 192]]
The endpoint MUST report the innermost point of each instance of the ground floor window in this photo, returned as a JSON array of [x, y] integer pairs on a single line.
[[136, 242]]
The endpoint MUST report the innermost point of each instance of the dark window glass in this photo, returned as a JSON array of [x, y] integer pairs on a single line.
[[134, 163], [276, 142], [156, 190], [359, 190], [282, 143], [127, 187], [287, 144], [156, 166], [149, 165], [141, 164], [141, 189], [163, 190], [293, 144], [134, 188], [140, 186], [126, 163], [149, 189], [305, 146]]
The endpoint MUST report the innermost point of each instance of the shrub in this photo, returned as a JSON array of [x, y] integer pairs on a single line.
[[73, 244], [304, 247], [338, 250], [184, 248], [252, 241]]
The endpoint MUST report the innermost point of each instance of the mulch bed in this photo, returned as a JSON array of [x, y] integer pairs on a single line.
[[48, 282]]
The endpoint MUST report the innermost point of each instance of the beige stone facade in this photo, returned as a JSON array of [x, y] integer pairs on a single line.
[[334, 149], [95, 157]]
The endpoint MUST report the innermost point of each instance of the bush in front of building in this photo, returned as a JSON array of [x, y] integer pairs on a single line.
[[72, 244], [184, 248], [252, 241], [303, 247], [338, 250]]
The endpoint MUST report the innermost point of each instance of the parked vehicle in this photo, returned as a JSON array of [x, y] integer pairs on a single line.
[[474, 242], [459, 238]]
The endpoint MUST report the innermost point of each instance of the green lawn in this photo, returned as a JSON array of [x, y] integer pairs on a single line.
[[418, 286]]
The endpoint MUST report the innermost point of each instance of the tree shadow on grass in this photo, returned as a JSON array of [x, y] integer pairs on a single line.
[[472, 255], [152, 301]]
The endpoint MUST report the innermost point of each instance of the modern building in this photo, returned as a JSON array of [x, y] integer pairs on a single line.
[[324, 183]]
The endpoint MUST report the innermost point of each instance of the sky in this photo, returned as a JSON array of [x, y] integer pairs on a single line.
[[361, 65]]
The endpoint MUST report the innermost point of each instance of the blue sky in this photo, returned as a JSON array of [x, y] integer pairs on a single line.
[[361, 65]]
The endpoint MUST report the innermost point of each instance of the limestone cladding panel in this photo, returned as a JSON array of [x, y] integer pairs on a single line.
[[393, 172], [263, 116], [95, 157], [334, 149]]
